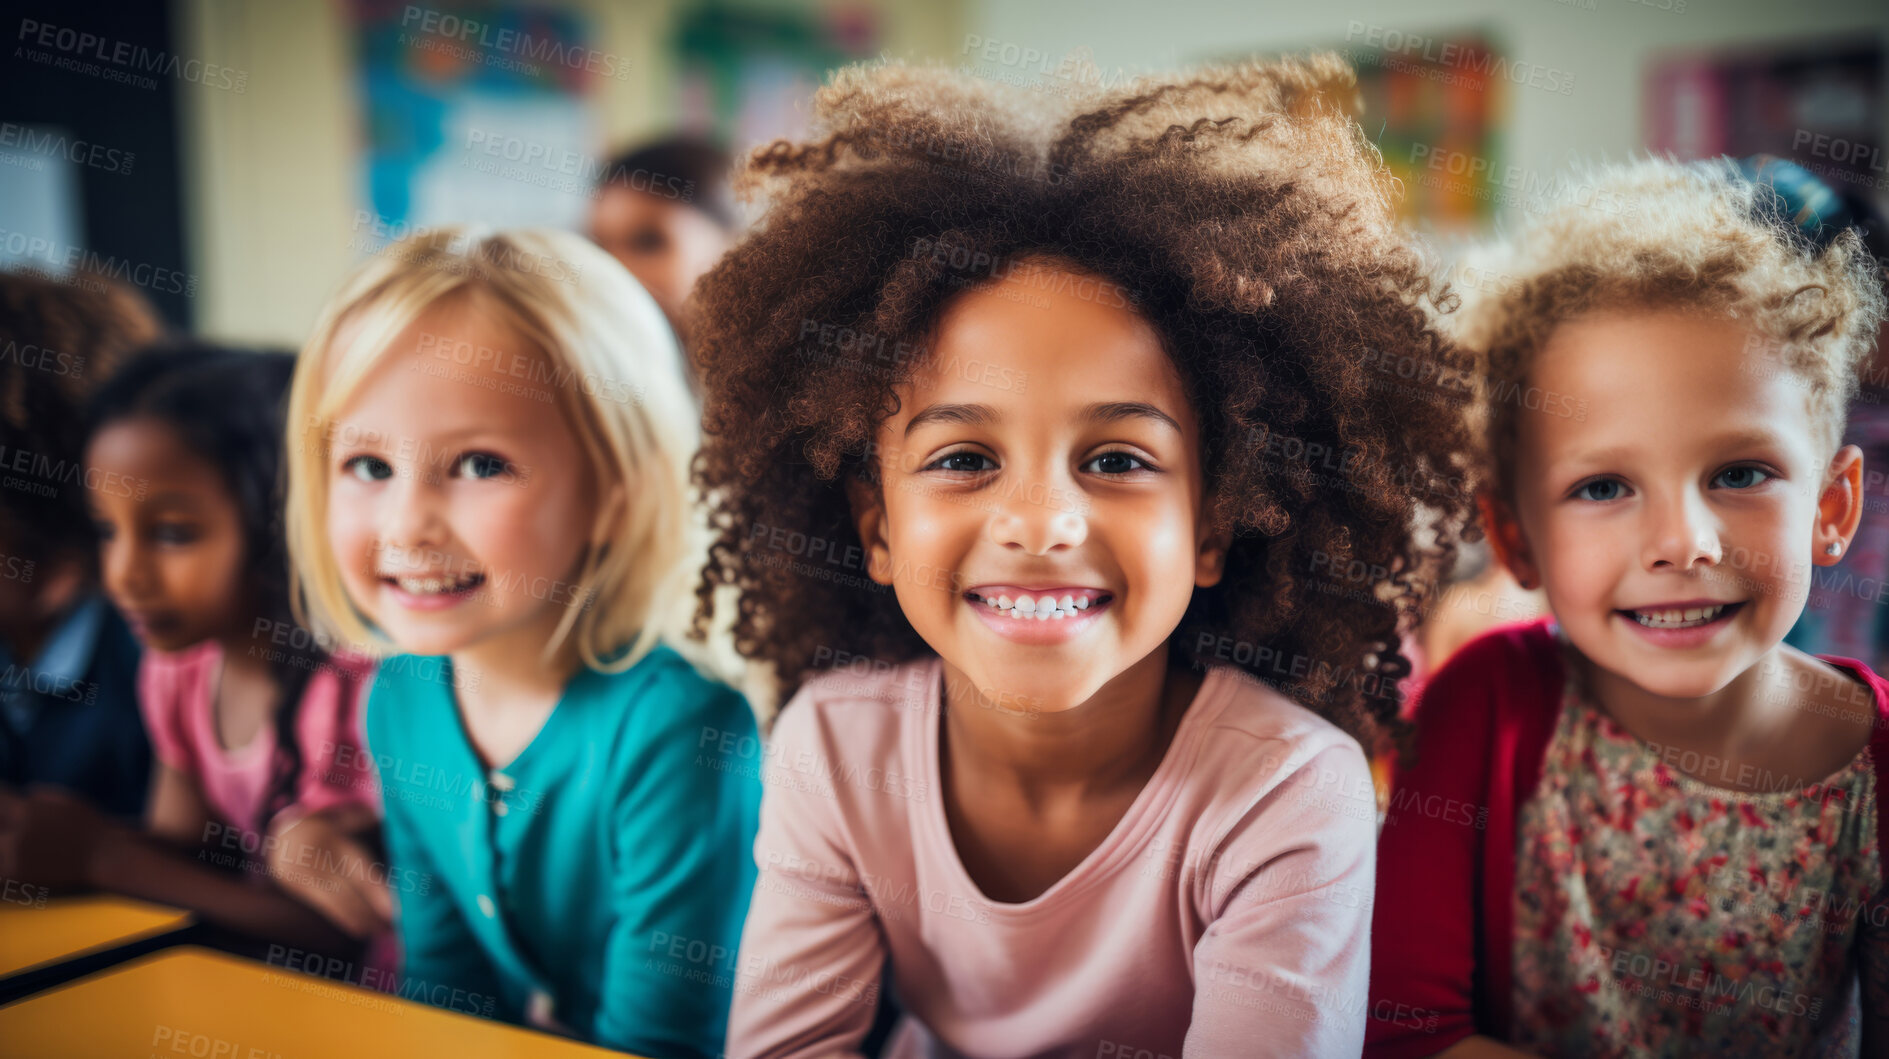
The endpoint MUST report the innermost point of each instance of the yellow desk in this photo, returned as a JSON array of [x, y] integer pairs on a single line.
[[189, 1001], [33, 935]]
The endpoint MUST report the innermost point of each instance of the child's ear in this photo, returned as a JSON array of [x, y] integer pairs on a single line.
[[1210, 561], [610, 512], [62, 580], [1507, 542], [1840, 508], [869, 517]]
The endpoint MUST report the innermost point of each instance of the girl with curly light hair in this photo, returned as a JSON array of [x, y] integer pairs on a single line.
[[1077, 465]]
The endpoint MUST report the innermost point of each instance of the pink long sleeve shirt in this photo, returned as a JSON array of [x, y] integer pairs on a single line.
[[1228, 912]]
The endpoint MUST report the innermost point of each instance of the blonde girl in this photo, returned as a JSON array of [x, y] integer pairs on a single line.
[[488, 441]]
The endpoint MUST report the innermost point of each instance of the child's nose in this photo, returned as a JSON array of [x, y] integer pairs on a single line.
[[125, 570], [414, 517], [1038, 528], [1682, 534]]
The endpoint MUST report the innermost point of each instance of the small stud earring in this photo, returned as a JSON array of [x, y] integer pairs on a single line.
[[1833, 548]]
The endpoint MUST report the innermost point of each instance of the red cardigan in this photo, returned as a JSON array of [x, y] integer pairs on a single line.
[[1440, 939]]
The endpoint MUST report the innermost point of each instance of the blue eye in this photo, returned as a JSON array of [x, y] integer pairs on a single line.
[[1741, 477], [966, 462], [1115, 463], [1600, 490], [368, 468], [483, 465]]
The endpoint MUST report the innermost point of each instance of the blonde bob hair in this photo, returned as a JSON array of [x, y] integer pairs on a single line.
[[618, 379]]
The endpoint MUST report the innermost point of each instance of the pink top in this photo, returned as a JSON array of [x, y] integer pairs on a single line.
[[1228, 913], [177, 692]]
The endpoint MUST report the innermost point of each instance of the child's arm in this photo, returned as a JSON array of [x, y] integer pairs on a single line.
[[176, 810], [326, 848], [682, 876], [1424, 927], [323, 859], [51, 837], [812, 952], [1283, 968]]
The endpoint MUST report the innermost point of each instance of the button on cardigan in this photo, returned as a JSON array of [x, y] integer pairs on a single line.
[[567, 882]]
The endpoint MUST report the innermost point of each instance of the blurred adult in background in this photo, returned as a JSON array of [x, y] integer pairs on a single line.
[[665, 209], [68, 665]]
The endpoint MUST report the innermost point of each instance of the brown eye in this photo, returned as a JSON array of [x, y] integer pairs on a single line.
[[963, 463], [175, 533], [1115, 463]]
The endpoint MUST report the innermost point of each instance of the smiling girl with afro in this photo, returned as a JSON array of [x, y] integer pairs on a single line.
[[1101, 447]]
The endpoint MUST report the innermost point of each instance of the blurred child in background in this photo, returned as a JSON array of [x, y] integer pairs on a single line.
[[664, 209], [1648, 826], [68, 698], [248, 716], [490, 441]]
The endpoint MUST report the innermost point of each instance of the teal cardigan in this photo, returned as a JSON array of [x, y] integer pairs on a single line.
[[601, 877]]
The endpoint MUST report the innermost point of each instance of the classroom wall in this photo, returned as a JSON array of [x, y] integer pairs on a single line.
[[273, 173], [1603, 44]]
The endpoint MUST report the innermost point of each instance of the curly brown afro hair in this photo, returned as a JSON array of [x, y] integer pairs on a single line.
[[1247, 219]]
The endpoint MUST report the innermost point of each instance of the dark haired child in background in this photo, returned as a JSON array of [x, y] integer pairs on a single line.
[[68, 699], [665, 211], [248, 716]]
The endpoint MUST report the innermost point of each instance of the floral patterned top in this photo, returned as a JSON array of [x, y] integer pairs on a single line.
[[1658, 914]]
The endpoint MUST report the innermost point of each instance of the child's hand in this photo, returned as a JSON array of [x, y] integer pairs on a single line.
[[538, 1015], [319, 859], [49, 837]]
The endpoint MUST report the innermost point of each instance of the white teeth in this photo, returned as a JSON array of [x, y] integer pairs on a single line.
[[1038, 608], [433, 586], [1675, 618]]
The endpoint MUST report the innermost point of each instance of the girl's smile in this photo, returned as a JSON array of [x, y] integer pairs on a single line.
[[436, 591], [1682, 625], [425, 537], [1069, 517], [1697, 515], [1039, 614]]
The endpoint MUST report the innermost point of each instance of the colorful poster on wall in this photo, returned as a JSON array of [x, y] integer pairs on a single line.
[[746, 76], [475, 112], [1434, 105], [1434, 113]]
